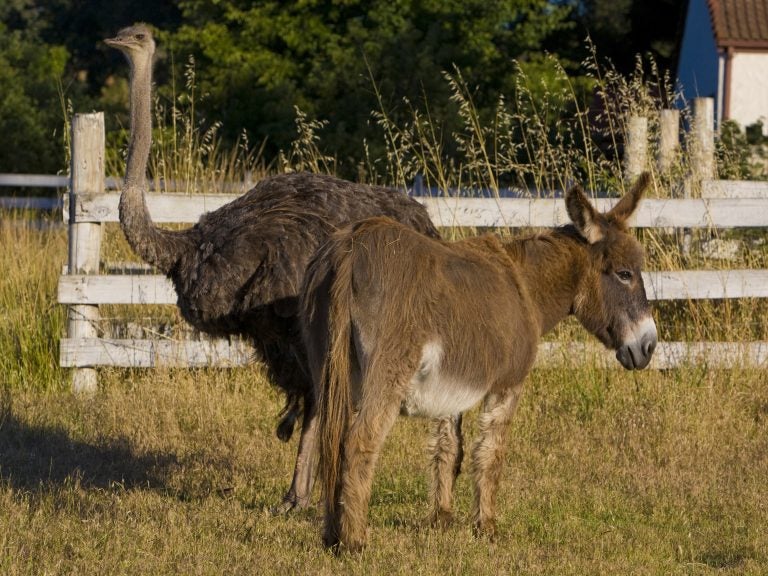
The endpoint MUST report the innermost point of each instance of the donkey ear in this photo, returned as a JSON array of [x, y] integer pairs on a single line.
[[627, 205], [583, 215]]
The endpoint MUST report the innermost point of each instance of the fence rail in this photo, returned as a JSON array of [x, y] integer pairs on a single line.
[[475, 212], [84, 287]]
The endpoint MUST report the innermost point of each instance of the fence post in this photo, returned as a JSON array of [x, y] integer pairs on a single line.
[[87, 177], [636, 148], [702, 156], [669, 140], [703, 141]]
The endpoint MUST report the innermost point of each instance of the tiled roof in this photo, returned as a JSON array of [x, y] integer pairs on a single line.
[[740, 23]]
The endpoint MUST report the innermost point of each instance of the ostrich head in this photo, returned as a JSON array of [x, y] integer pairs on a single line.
[[136, 42]]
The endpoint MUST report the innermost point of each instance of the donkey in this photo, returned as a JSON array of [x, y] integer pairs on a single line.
[[395, 321]]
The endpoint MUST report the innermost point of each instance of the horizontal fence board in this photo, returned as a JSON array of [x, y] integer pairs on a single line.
[[672, 285], [734, 189], [133, 353], [481, 212], [652, 213], [34, 180], [116, 289], [163, 207], [706, 284], [222, 353]]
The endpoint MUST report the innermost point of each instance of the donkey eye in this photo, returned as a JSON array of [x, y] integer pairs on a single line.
[[624, 276]]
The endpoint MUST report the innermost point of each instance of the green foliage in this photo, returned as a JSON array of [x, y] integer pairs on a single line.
[[338, 61], [741, 155], [31, 117]]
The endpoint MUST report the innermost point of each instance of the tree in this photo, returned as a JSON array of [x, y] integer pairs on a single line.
[[50, 56], [31, 116], [621, 29], [339, 60]]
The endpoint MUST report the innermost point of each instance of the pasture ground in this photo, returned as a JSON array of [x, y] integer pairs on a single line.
[[173, 471]]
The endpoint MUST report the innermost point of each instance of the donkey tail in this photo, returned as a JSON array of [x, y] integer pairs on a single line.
[[333, 390]]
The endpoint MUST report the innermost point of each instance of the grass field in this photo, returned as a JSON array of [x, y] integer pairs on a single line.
[[173, 472]]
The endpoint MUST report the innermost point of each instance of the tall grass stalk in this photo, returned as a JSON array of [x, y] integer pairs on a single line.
[[188, 154], [31, 321]]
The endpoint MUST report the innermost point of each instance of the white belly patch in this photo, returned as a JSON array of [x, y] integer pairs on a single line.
[[433, 393]]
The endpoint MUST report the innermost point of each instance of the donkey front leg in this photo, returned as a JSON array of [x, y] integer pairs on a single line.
[[446, 452], [488, 457], [361, 451]]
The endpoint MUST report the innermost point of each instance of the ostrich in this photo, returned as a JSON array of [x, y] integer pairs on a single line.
[[238, 271]]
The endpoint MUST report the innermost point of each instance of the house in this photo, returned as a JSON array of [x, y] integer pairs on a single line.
[[724, 54]]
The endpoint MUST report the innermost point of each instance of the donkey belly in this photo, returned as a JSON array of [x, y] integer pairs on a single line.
[[435, 393]]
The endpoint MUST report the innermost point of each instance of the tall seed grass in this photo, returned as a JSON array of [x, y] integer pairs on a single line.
[[31, 321], [188, 153]]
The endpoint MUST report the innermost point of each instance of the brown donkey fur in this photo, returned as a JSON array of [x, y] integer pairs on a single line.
[[398, 322]]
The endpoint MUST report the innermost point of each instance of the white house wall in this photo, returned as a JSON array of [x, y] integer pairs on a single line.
[[749, 88]]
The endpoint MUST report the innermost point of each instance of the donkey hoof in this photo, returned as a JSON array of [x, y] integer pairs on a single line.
[[338, 545], [353, 546], [441, 519], [485, 529]]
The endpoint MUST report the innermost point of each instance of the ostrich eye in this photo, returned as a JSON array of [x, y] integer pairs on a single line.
[[625, 276], [139, 36]]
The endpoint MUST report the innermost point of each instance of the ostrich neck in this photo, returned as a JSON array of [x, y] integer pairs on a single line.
[[141, 127], [156, 246]]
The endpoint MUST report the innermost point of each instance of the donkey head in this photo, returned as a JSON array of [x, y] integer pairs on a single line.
[[610, 301]]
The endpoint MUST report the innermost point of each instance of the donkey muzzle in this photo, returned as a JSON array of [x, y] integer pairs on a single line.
[[636, 353]]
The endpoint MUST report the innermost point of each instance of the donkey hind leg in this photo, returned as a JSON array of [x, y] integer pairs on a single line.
[[446, 452], [362, 445], [300, 492], [488, 457]]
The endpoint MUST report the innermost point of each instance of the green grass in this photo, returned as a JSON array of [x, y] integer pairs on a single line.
[[173, 472], [31, 321]]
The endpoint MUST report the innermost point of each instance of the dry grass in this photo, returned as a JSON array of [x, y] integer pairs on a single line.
[[173, 472]]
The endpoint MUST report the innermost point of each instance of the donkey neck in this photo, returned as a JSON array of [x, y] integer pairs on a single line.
[[551, 265]]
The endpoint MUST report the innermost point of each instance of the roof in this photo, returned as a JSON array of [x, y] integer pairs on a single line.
[[740, 23]]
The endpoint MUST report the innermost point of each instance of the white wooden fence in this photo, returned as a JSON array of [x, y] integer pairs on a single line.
[[83, 288]]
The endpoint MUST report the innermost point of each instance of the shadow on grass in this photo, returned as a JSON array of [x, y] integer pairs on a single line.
[[36, 457]]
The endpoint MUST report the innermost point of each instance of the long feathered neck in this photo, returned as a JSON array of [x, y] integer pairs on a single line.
[[156, 246]]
